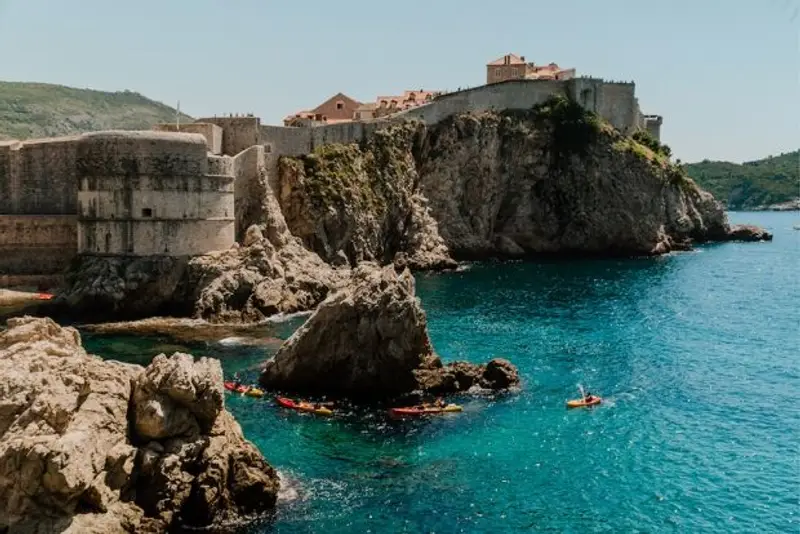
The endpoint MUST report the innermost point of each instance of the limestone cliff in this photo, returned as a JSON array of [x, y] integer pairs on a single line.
[[551, 180], [352, 204], [90, 446]]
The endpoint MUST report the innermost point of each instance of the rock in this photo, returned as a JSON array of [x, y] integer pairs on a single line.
[[369, 341], [500, 374], [363, 341], [252, 236], [746, 232], [363, 202], [88, 445], [438, 379]]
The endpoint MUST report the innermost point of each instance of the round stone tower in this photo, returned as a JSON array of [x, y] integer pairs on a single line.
[[150, 193]]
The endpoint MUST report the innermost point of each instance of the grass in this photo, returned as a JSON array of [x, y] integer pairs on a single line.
[[32, 110]]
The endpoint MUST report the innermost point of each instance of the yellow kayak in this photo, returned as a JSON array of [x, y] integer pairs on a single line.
[[254, 392], [581, 403]]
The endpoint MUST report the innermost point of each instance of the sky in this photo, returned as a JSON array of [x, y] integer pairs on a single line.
[[725, 74]]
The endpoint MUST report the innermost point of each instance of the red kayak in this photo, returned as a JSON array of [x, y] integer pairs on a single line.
[[44, 296], [231, 386], [302, 406]]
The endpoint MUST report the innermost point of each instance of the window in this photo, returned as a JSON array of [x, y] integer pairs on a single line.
[[147, 212], [340, 105]]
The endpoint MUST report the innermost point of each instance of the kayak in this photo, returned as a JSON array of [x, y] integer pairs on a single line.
[[254, 392], [303, 406], [44, 296], [420, 410], [580, 403], [231, 386]]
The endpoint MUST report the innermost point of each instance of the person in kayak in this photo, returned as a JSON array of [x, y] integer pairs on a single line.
[[236, 382], [587, 397]]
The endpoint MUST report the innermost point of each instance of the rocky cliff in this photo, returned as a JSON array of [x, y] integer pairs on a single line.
[[552, 180], [352, 204], [91, 446], [369, 341]]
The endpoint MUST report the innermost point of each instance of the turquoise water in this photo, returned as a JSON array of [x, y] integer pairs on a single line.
[[696, 355]]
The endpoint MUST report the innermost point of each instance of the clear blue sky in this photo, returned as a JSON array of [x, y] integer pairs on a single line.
[[725, 74]]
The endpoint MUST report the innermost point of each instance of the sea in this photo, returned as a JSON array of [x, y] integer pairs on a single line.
[[695, 354]]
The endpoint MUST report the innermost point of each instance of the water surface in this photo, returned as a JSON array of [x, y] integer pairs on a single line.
[[695, 354]]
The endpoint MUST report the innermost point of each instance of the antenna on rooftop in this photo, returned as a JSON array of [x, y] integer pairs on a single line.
[[178, 116]]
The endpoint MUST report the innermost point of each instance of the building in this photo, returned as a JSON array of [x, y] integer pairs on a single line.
[[337, 108], [514, 67]]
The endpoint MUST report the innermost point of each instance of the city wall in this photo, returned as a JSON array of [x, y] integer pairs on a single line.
[[155, 197], [239, 134], [512, 94], [211, 132], [38, 197], [36, 249]]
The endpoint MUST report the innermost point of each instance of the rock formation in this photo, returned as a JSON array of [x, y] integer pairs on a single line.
[[90, 446], [350, 204], [369, 340]]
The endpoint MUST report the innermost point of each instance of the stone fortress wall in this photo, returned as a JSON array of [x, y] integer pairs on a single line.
[[38, 197], [155, 196]]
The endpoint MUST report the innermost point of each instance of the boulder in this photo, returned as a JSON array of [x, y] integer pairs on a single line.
[[363, 341], [88, 445], [369, 341], [747, 232]]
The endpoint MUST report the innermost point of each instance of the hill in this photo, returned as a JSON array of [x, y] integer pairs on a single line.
[[750, 185], [31, 110]]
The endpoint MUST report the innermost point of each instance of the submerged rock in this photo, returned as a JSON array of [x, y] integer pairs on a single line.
[[369, 340], [88, 445]]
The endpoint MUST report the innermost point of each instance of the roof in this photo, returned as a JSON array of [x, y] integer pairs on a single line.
[[513, 60], [338, 96]]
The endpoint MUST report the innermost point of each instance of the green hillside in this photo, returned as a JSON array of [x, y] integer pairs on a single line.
[[31, 110], [752, 184]]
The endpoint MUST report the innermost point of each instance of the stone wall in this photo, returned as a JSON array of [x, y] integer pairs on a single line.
[[211, 132], [38, 202], [155, 197], [37, 177], [513, 94], [36, 249], [238, 133]]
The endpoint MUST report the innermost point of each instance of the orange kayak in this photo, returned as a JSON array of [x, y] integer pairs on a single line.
[[580, 403]]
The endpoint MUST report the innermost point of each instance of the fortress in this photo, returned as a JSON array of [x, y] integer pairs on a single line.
[[182, 190]]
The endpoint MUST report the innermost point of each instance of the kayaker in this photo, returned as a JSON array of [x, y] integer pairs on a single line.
[[440, 403], [587, 397], [236, 381]]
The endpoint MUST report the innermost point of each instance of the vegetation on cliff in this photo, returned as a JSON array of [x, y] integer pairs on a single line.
[[32, 110], [753, 184], [351, 203]]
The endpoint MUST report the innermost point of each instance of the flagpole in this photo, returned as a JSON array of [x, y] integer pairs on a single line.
[[178, 116]]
